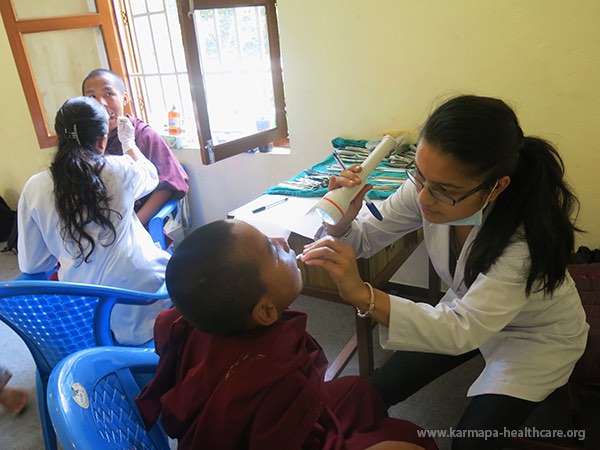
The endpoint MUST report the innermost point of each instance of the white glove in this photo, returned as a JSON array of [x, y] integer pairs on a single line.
[[126, 133]]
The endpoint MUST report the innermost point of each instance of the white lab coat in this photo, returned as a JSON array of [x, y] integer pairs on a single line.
[[132, 261], [530, 343]]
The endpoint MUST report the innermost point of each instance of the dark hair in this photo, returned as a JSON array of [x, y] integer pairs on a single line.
[[80, 194], [212, 288], [484, 134], [102, 72]]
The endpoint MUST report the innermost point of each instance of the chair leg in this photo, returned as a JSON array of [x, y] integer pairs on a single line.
[[48, 432]]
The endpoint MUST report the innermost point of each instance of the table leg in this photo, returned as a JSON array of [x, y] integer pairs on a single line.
[[364, 345], [361, 343]]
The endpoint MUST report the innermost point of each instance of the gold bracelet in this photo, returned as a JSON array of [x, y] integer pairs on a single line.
[[368, 312]]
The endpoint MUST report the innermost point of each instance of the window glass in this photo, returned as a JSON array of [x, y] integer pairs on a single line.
[[188, 123], [137, 7], [170, 90], [144, 44], [156, 65], [154, 93], [55, 44], [236, 66], [162, 42], [175, 34], [153, 5], [36, 9], [59, 61]]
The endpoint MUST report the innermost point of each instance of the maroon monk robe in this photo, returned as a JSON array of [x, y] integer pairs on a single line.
[[171, 175], [261, 389]]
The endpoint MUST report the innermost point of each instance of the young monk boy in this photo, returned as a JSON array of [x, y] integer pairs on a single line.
[[109, 89], [238, 370]]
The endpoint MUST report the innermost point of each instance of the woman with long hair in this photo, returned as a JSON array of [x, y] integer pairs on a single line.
[[79, 213], [498, 224]]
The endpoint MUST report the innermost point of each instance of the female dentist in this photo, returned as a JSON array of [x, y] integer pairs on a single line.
[[497, 219]]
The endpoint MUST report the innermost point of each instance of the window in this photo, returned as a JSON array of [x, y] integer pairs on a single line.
[[156, 65], [230, 53], [216, 61], [233, 57], [55, 45]]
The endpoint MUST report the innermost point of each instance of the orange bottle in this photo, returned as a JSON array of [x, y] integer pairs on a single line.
[[174, 122]]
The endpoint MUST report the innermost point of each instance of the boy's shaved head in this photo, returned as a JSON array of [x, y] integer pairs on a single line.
[[210, 284], [119, 83]]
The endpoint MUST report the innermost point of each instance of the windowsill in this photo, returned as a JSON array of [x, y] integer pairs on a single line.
[[180, 142], [274, 151]]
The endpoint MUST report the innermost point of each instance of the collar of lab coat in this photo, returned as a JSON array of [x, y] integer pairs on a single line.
[[437, 241]]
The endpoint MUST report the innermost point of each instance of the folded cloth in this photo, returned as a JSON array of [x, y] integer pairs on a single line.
[[339, 142], [380, 190]]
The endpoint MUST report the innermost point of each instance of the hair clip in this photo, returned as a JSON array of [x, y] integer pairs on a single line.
[[73, 134]]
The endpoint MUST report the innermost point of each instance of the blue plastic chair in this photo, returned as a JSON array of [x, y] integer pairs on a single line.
[[156, 225], [56, 319], [91, 399]]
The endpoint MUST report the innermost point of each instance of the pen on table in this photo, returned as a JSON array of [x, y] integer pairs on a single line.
[[368, 201], [262, 208]]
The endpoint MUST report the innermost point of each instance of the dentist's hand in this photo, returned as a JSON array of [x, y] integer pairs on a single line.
[[126, 133], [347, 178], [339, 260]]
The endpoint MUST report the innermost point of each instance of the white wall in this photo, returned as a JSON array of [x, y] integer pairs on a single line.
[[358, 70], [219, 188]]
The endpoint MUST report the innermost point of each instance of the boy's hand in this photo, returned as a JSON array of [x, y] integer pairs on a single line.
[[126, 133]]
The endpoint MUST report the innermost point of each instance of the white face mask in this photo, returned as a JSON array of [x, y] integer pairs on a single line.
[[475, 219]]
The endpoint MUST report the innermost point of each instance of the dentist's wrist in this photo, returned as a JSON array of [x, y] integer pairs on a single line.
[[366, 303], [128, 145], [335, 232]]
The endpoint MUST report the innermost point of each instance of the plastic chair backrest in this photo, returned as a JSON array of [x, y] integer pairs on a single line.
[[156, 225], [56, 319], [91, 399]]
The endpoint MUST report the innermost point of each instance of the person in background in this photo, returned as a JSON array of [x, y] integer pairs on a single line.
[[498, 225], [109, 89], [12, 400], [238, 370], [79, 213]]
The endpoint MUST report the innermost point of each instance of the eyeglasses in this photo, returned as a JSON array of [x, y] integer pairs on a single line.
[[415, 176]]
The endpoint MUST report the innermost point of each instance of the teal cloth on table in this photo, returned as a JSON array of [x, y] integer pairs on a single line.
[[339, 142], [374, 194]]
